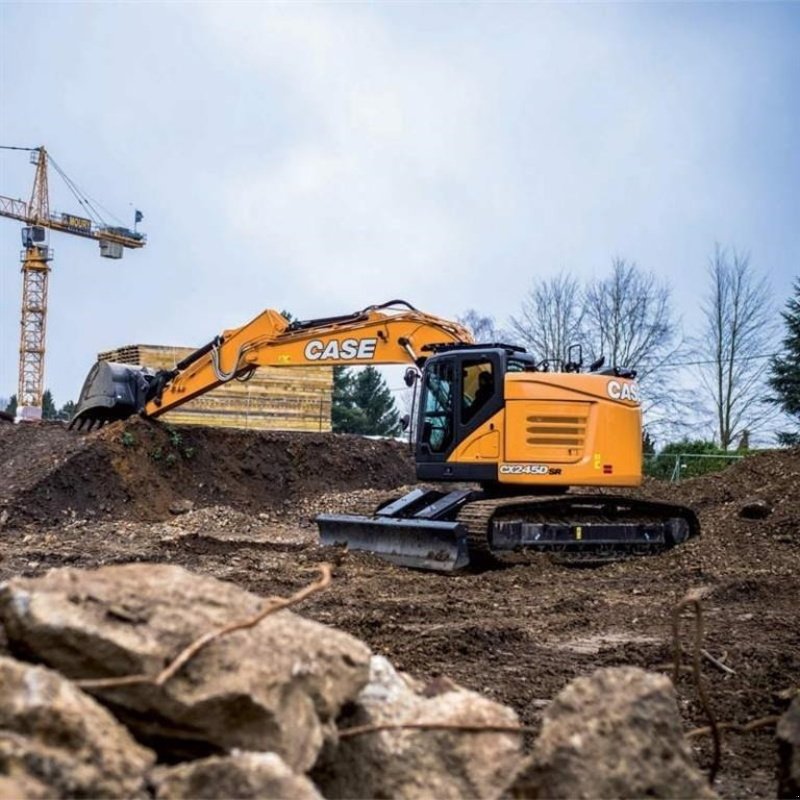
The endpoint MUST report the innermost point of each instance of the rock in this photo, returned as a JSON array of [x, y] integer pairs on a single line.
[[181, 506], [18, 784], [616, 733], [788, 734], [755, 509], [414, 763], [243, 775], [55, 740], [275, 687]]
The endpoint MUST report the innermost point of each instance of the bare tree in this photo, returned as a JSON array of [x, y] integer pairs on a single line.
[[482, 327], [550, 318], [737, 334], [628, 319]]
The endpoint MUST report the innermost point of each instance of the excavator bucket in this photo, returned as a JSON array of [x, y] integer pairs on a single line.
[[409, 531], [110, 392]]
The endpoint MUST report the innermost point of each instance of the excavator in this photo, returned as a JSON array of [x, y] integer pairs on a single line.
[[522, 456]]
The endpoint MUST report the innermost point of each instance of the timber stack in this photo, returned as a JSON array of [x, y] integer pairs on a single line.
[[274, 398]]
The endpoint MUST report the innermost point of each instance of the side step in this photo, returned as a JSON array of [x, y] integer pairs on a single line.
[[411, 531]]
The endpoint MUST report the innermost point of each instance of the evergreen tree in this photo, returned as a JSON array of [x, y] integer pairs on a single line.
[[11, 408], [374, 398], [345, 417], [363, 403], [49, 410], [67, 410], [784, 377]]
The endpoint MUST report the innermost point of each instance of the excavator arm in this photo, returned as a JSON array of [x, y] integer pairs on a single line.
[[391, 333]]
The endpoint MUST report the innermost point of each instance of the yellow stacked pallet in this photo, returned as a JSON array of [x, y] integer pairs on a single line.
[[275, 398]]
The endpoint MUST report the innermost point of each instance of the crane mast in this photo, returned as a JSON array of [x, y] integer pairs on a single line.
[[36, 256]]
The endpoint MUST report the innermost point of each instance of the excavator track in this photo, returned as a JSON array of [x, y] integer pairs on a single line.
[[564, 525], [447, 531]]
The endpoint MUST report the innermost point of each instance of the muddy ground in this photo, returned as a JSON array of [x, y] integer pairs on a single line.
[[240, 506]]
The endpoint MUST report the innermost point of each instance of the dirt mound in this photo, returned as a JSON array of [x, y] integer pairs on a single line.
[[773, 476], [141, 470], [729, 540]]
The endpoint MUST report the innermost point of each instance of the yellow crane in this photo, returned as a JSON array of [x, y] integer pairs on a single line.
[[36, 257]]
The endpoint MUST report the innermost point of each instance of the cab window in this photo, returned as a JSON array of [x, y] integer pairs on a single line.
[[437, 420], [477, 387]]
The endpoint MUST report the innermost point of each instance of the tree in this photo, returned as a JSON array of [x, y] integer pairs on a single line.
[[551, 318], [628, 320], [49, 410], [345, 417], [784, 379], [374, 398], [363, 403], [737, 332], [11, 408], [482, 328], [67, 411]]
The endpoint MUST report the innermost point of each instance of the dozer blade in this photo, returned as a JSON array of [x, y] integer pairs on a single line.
[[421, 544], [110, 392]]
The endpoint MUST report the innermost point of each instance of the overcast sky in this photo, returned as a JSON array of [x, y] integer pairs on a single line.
[[321, 157]]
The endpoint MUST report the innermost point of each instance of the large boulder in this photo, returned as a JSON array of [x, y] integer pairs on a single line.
[[20, 784], [417, 763], [242, 775], [275, 687], [56, 741], [788, 733], [616, 733]]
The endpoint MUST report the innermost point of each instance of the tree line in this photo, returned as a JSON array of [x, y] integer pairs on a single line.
[[725, 382], [743, 363], [49, 408]]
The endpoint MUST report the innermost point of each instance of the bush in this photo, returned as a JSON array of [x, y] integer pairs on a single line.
[[694, 457]]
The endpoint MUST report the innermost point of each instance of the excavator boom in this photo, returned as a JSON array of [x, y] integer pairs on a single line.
[[390, 333]]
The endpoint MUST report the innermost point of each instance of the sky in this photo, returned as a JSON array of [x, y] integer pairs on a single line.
[[324, 157]]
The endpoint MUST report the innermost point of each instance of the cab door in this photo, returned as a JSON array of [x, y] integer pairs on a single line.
[[460, 391]]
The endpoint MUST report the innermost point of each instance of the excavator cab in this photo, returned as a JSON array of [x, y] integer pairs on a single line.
[[461, 391]]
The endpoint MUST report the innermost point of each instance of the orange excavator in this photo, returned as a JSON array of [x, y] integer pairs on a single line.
[[532, 449]]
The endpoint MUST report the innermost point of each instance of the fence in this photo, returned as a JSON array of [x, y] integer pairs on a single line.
[[676, 466]]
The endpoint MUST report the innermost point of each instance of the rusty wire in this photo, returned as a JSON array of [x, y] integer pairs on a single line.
[[693, 598]]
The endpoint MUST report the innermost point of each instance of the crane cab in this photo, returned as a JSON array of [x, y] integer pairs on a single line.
[[34, 236]]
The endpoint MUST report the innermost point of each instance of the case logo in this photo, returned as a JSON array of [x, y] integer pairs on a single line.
[[623, 390], [345, 350]]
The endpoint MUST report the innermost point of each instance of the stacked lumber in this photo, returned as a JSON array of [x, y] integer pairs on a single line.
[[275, 398]]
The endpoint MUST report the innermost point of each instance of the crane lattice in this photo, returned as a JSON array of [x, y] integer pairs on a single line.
[[36, 257]]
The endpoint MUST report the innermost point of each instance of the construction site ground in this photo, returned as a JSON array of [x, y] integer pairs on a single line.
[[240, 506]]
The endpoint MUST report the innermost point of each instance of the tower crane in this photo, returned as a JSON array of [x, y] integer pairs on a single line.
[[36, 256]]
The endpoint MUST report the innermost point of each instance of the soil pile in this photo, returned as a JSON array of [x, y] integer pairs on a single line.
[[729, 540], [141, 470]]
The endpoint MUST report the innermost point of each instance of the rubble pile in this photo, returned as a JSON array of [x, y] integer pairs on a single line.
[[263, 712]]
